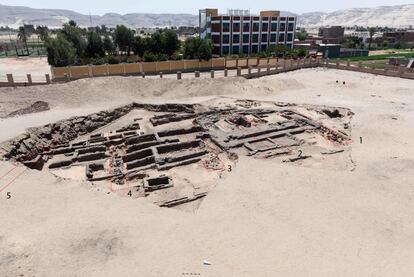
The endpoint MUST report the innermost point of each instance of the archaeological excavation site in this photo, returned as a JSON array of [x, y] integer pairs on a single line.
[[174, 154]]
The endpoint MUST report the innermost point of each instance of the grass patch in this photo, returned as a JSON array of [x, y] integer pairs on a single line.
[[380, 57], [376, 65]]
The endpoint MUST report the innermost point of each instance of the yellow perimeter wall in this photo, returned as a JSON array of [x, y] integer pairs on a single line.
[[154, 67]]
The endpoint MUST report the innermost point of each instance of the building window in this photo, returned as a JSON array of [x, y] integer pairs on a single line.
[[291, 27], [273, 27], [216, 50], [215, 39], [255, 38], [282, 37], [282, 27], [226, 39], [256, 27], [246, 38], [236, 38], [246, 27], [226, 27], [264, 47], [255, 49], [245, 49], [236, 49], [290, 37], [215, 27], [226, 50], [283, 19], [272, 38], [265, 27], [291, 19], [274, 18], [289, 45], [264, 38], [236, 27]]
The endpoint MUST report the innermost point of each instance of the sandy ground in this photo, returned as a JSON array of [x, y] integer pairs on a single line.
[[262, 219], [19, 67]]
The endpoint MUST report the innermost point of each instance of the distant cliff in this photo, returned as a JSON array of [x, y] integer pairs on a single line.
[[392, 16]]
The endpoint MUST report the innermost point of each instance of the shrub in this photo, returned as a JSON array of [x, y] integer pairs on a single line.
[[149, 57], [112, 60], [97, 61]]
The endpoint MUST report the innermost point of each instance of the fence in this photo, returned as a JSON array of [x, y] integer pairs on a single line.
[[255, 68], [15, 47], [77, 72], [399, 71], [11, 82]]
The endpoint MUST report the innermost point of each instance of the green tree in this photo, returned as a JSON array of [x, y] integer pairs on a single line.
[[23, 35], [139, 46], [197, 48], [108, 45], [353, 42], [43, 32], [95, 46], [123, 38], [74, 35], [170, 42], [104, 30], [163, 41], [72, 23], [302, 35], [155, 42], [60, 51]]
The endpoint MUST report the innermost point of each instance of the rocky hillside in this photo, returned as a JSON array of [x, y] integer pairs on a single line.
[[392, 16], [15, 16]]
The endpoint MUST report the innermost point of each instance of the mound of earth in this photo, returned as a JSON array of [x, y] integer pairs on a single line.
[[36, 107]]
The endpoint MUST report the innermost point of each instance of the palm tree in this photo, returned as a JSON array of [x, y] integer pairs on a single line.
[[22, 35], [371, 31]]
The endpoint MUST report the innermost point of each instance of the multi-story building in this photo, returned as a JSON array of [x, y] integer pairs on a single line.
[[402, 39], [405, 38], [239, 32], [334, 34]]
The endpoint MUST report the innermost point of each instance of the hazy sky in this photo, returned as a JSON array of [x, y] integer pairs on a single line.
[[192, 6]]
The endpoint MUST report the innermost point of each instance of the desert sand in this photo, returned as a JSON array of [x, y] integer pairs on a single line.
[[261, 219], [21, 66]]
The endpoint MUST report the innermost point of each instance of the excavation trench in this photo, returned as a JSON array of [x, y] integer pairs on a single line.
[[164, 152]]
